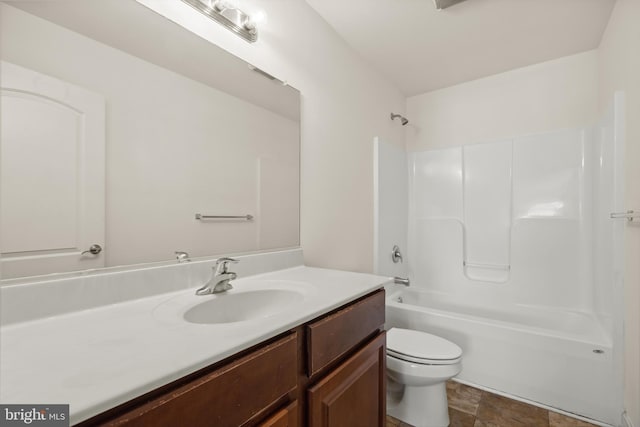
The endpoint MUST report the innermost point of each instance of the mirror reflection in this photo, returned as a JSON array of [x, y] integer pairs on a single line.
[[118, 127]]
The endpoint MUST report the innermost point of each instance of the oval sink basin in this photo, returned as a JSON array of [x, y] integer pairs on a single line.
[[242, 306]]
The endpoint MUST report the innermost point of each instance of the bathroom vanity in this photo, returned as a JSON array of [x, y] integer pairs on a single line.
[[327, 372], [298, 346]]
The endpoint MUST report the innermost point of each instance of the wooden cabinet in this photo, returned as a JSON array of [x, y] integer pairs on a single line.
[[354, 393], [329, 372], [286, 417], [346, 366]]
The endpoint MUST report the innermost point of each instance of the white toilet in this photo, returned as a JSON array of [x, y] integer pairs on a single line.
[[418, 365]]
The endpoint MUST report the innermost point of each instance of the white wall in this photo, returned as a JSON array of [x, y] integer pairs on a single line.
[[345, 104], [619, 69], [168, 154], [548, 96]]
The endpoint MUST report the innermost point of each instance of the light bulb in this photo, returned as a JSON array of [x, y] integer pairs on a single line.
[[259, 18], [254, 20], [218, 5]]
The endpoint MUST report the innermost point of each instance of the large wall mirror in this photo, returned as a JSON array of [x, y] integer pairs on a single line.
[[119, 126]]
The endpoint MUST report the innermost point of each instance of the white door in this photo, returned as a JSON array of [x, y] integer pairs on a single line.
[[52, 191]]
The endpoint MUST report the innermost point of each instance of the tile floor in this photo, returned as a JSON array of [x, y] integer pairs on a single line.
[[471, 407]]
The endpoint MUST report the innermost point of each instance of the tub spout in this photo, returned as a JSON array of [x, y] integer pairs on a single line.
[[401, 281]]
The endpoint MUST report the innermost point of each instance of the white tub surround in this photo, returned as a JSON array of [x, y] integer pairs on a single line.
[[120, 344], [513, 255]]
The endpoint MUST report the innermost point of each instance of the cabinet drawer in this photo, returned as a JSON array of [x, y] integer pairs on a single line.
[[227, 397], [335, 335]]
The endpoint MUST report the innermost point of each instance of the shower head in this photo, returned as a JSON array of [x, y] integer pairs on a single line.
[[403, 119]]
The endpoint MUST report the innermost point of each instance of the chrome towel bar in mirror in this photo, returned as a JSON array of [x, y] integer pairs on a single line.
[[247, 217]]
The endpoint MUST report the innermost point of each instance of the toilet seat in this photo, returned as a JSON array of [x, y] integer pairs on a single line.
[[421, 347]]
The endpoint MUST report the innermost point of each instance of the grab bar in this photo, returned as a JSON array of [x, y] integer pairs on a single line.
[[245, 217], [628, 215]]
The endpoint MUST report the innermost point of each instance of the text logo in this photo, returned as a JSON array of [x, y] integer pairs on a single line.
[[34, 415]]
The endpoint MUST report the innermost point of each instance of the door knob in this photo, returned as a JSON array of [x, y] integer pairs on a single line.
[[93, 250]]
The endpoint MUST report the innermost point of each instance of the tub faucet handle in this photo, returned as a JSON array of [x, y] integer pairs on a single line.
[[396, 255]]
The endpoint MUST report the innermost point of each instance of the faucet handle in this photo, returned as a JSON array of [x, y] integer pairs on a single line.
[[396, 255], [222, 263]]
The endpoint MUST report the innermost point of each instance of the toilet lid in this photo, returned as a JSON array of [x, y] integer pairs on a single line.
[[420, 346]]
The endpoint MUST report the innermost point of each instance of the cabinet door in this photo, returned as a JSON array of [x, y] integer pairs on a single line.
[[354, 393], [287, 417]]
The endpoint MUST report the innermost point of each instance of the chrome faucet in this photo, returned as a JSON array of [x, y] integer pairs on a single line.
[[401, 281], [220, 279]]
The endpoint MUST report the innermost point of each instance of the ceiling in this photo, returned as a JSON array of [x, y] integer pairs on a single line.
[[420, 49]]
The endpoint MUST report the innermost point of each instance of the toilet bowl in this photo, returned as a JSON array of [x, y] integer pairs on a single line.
[[418, 366]]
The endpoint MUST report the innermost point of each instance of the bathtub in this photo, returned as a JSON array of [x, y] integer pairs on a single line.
[[553, 358]]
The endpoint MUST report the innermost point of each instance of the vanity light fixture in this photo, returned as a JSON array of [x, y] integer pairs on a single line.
[[230, 16]]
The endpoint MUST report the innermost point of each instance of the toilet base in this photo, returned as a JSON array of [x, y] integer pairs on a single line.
[[424, 406]]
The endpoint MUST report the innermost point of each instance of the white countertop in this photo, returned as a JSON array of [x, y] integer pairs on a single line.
[[99, 358]]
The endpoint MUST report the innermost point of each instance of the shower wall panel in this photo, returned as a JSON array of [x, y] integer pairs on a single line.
[[437, 176], [552, 217], [487, 211], [506, 222], [435, 218], [547, 171]]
